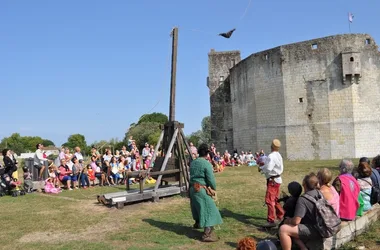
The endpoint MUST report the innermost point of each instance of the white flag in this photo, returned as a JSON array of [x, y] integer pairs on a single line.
[[350, 17]]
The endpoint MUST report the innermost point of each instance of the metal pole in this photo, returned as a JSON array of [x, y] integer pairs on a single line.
[[173, 74]]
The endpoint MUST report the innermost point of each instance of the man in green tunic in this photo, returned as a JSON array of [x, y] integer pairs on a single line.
[[205, 213]]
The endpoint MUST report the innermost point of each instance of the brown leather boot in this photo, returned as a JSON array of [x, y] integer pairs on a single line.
[[209, 235]]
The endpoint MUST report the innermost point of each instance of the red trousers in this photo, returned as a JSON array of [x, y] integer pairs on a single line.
[[271, 199]]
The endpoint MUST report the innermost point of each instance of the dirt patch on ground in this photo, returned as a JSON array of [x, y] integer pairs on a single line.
[[110, 223], [48, 212], [91, 233], [54, 196]]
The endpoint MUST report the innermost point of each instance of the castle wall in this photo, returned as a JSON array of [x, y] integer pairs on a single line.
[[220, 64], [258, 102], [366, 101], [319, 122], [321, 98], [221, 118]]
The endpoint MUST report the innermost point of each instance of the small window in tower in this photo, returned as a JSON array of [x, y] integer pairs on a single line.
[[221, 78], [351, 59], [314, 46], [300, 99], [367, 41]]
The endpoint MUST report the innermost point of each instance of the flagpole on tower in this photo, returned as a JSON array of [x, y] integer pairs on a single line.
[[349, 26], [350, 18]]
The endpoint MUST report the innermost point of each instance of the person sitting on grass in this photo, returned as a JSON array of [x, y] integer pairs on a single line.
[[91, 175], [301, 228], [53, 176]]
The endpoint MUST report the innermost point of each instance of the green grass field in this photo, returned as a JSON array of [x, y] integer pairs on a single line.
[[74, 219]]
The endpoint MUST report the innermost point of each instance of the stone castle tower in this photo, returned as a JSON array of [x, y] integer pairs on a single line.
[[321, 98]]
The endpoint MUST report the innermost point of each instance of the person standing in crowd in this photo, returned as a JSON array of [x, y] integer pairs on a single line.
[[39, 160], [124, 151], [78, 154], [61, 154], [9, 164], [203, 207], [145, 152], [272, 168], [130, 143], [193, 149]]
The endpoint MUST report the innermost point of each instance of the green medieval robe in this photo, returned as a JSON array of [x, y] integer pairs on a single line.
[[203, 207]]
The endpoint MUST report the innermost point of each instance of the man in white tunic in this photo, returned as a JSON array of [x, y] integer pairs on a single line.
[[272, 168]]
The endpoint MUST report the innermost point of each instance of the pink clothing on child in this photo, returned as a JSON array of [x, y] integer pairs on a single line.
[[147, 162], [49, 188], [348, 200]]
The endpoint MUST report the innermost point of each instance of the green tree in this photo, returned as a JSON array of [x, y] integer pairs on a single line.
[[145, 132], [195, 138], [147, 129], [153, 117], [206, 129], [22, 144], [76, 140], [203, 135], [30, 142], [46, 142], [100, 146], [13, 142]]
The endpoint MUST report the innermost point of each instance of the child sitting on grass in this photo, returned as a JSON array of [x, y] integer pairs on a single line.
[[53, 176]]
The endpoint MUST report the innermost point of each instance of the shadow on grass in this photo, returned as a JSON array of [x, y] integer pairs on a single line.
[[232, 244], [239, 217], [175, 228]]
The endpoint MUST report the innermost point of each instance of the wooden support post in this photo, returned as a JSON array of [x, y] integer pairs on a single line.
[[141, 182], [182, 159], [181, 163], [166, 158], [157, 146], [173, 74], [187, 145], [128, 186]]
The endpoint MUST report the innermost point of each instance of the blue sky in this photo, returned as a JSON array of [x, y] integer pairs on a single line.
[[94, 66]]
